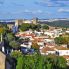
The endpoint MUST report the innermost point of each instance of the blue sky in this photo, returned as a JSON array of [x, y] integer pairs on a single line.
[[19, 9]]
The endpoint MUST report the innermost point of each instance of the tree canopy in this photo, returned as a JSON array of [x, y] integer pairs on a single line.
[[61, 40], [45, 26], [14, 44], [19, 63], [16, 54], [35, 46], [41, 62], [1, 30], [26, 26], [10, 37]]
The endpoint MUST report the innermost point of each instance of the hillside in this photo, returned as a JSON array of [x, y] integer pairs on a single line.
[[58, 23]]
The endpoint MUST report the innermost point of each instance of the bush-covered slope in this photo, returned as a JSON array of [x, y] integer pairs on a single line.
[[59, 23]]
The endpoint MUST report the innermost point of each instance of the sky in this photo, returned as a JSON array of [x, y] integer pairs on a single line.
[[28, 9]]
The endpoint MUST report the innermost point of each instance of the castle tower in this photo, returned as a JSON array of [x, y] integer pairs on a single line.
[[35, 20], [18, 22]]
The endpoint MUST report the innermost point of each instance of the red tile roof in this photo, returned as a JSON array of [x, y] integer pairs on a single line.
[[25, 34], [45, 49], [66, 57], [62, 48]]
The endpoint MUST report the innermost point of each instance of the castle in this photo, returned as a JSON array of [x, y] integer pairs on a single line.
[[21, 21]]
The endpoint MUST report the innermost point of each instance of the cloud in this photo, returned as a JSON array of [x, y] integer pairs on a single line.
[[33, 11], [42, 3], [26, 11], [52, 3], [63, 10]]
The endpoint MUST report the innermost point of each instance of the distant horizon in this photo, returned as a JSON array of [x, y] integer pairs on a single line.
[[33, 18]]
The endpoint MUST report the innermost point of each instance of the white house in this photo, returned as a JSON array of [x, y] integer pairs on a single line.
[[67, 31], [59, 50], [62, 50], [38, 33], [40, 43], [27, 46], [48, 33], [47, 50], [49, 40], [54, 33]]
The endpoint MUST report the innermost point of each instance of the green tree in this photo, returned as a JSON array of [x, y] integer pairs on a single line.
[[16, 54], [40, 62], [33, 26], [59, 40], [25, 26], [10, 37], [35, 46], [61, 63], [1, 30], [37, 61], [66, 40], [49, 65], [20, 63], [29, 62], [14, 44], [38, 27], [45, 26]]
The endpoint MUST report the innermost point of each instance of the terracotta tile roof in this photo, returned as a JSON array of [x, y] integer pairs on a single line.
[[50, 44], [38, 40], [42, 37], [25, 34], [66, 57], [45, 49], [62, 48]]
